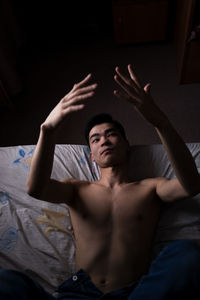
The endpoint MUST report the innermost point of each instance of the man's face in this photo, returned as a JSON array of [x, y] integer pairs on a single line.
[[108, 147]]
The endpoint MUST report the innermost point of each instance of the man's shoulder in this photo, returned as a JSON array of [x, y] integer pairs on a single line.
[[76, 182], [152, 181]]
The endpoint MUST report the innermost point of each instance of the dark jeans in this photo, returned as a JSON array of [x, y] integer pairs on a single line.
[[174, 274]]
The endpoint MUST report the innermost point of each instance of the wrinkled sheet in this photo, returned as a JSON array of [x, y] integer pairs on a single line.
[[36, 237]]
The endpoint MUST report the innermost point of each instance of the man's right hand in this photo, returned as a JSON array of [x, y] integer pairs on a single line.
[[71, 102], [40, 184]]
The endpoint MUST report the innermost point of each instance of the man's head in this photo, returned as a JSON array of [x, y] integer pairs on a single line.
[[107, 140]]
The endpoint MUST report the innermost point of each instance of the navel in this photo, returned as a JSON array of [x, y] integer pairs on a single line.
[[103, 281]]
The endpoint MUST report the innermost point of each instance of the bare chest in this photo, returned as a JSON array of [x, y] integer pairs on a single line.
[[123, 208]]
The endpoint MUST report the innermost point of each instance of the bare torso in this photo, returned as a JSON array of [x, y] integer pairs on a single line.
[[114, 230]]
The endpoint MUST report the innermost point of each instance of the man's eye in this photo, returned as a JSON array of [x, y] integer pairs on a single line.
[[95, 141], [111, 134]]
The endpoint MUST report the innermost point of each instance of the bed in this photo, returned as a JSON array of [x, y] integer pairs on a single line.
[[36, 237]]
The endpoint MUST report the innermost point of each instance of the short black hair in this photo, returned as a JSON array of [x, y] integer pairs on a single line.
[[100, 119]]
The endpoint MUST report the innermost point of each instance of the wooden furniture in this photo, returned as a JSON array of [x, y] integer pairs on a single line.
[[137, 21], [187, 50]]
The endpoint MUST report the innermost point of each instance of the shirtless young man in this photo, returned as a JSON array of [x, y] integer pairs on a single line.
[[114, 220]]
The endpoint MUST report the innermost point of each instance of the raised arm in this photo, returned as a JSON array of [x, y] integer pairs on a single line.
[[187, 181], [39, 184]]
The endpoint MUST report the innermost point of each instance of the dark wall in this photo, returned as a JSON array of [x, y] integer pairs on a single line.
[[63, 20]]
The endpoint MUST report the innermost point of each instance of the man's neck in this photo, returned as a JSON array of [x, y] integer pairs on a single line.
[[113, 176]]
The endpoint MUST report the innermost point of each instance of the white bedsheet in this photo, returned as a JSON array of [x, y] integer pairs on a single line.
[[36, 237]]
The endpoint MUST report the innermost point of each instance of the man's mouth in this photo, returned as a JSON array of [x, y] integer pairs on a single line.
[[106, 151]]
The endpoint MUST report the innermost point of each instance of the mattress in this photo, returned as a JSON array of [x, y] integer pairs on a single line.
[[36, 237]]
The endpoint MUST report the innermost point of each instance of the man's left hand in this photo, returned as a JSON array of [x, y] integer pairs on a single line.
[[139, 96]]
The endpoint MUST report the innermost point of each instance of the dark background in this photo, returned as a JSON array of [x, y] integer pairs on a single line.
[[53, 44]]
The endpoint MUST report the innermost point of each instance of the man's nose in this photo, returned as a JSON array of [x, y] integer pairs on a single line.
[[105, 141]]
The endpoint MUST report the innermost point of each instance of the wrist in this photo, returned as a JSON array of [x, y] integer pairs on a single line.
[[165, 128], [47, 131], [162, 122]]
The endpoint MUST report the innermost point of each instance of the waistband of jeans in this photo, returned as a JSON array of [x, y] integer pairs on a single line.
[[75, 280], [81, 276]]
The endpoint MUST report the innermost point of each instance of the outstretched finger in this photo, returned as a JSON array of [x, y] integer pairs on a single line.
[[121, 95], [132, 92], [133, 76], [74, 108], [147, 88], [83, 90], [78, 91], [124, 96], [122, 76], [83, 82], [129, 81], [78, 98]]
